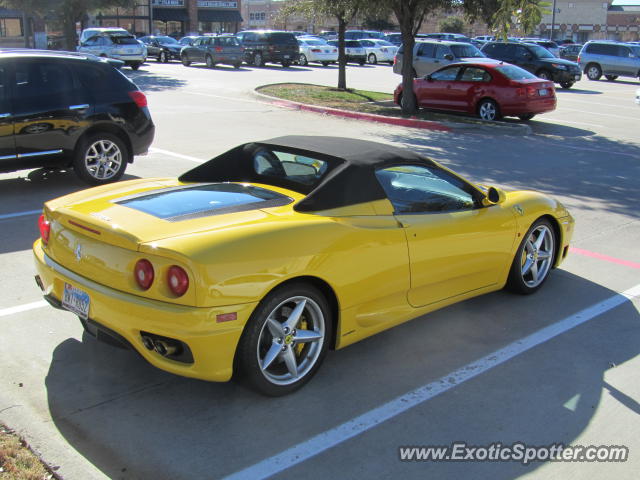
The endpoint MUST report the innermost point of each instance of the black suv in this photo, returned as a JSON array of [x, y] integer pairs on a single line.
[[61, 110], [163, 48], [535, 59], [268, 46]]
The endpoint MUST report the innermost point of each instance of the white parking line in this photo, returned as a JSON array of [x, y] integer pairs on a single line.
[[356, 426], [20, 214], [177, 155], [23, 308]]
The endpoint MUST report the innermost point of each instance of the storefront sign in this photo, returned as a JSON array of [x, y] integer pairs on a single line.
[[216, 4]]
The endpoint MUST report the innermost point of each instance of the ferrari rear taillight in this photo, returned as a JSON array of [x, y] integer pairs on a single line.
[[45, 229], [143, 273], [178, 280], [139, 98]]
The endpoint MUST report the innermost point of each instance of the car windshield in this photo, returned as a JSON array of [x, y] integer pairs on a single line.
[[514, 73], [124, 40], [384, 43], [466, 51], [166, 40], [283, 38], [541, 52]]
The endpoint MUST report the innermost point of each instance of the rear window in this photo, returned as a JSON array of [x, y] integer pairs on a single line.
[[466, 51], [101, 79], [540, 52], [352, 44], [122, 40], [184, 203], [514, 73], [286, 38], [303, 170]]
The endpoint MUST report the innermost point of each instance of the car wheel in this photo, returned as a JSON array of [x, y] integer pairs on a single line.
[[325, 64], [534, 259], [372, 59], [302, 59], [361, 63], [209, 61], [611, 78], [566, 85], [594, 72], [163, 57], [286, 64], [135, 65], [100, 158], [544, 75], [390, 62], [285, 340], [185, 60], [526, 117], [237, 65], [258, 61], [488, 110]]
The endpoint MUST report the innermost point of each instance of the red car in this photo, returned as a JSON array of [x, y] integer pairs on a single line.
[[490, 90]]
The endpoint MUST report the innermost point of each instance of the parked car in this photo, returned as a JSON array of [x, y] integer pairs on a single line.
[[87, 33], [353, 50], [611, 59], [429, 55], [257, 263], [536, 60], [451, 37], [394, 38], [269, 46], [360, 34], [484, 38], [68, 110], [121, 46], [225, 49], [489, 90], [162, 48], [570, 51], [315, 50], [379, 50]]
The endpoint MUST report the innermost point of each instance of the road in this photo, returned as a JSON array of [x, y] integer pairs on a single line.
[[556, 367]]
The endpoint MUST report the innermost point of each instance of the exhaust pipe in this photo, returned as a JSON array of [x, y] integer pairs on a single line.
[[164, 348], [147, 342]]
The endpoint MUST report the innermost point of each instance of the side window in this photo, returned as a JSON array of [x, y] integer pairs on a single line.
[[92, 42], [43, 85], [522, 53], [446, 74], [623, 51], [441, 51], [610, 50], [475, 74], [425, 189], [426, 50]]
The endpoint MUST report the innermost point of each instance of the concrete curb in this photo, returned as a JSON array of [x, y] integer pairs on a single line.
[[455, 127]]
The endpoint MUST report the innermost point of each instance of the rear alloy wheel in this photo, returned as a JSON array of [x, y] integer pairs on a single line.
[[163, 57], [611, 78], [209, 61], [302, 59], [544, 75], [372, 59], [594, 72], [526, 117], [100, 158], [285, 340], [185, 60], [566, 85], [534, 259], [258, 61], [488, 110]]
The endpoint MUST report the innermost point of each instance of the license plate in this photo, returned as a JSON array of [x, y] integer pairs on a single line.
[[577, 77], [76, 301], [542, 92], [286, 56]]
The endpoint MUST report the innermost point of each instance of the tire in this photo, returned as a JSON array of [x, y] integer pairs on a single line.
[[258, 60], [361, 63], [594, 72], [185, 60], [100, 158], [302, 60], [566, 85], [488, 110], [526, 117], [135, 65], [390, 62], [286, 64], [273, 357], [523, 278], [209, 61], [237, 65], [544, 74], [372, 59], [611, 78], [325, 64], [162, 58]]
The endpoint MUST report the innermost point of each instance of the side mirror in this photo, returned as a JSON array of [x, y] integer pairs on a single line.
[[428, 78], [494, 196], [448, 56]]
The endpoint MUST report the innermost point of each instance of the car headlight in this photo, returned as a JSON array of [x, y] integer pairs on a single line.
[[558, 66]]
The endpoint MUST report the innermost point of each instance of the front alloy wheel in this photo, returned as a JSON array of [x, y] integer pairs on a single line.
[[285, 340], [488, 110], [534, 259], [594, 72], [100, 158]]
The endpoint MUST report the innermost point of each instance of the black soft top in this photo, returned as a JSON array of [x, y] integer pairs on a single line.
[[350, 178]]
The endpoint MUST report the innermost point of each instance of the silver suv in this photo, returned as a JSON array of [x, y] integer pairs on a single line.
[[429, 55], [119, 45], [611, 59]]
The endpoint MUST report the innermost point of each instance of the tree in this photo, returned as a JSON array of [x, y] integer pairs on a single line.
[[378, 23], [452, 25], [525, 14], [67, 11]]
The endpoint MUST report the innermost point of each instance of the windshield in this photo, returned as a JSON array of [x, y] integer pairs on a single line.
[[466, 51], [541, 52], [166, 40], [514, 73]]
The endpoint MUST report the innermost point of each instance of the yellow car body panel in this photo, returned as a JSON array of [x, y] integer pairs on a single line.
[[382, 269]]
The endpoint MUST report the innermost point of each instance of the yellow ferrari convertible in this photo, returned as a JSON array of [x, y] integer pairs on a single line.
[[257, 262]]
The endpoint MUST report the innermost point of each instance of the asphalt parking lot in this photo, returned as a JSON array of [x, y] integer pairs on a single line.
[[556, 367]]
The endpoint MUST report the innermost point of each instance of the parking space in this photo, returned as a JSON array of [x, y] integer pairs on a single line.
[[100, 412]]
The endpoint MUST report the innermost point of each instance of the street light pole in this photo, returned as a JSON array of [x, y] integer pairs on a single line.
[[553, 20]]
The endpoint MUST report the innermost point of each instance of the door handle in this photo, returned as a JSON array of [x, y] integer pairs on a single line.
[[79, 107], [5, 115]]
